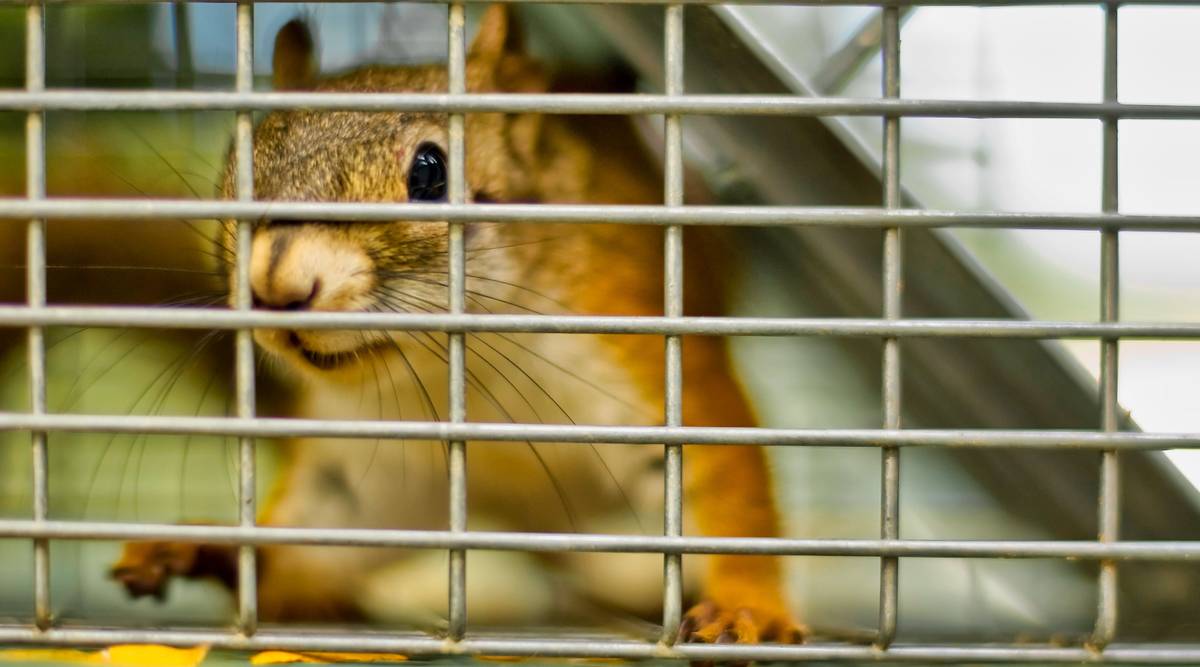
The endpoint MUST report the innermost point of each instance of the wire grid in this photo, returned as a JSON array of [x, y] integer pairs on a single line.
[[1108, 549]]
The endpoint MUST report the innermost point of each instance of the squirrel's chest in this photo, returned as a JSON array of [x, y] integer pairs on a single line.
[[511, 378]]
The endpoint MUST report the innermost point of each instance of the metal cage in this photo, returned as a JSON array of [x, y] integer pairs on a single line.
[[893, 215]]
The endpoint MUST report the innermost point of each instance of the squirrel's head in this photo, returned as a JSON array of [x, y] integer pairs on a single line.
[[346, 156]]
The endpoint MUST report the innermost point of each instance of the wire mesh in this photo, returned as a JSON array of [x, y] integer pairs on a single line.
[[457, 347], [35, 174], [673, 293], [244, 343], [889, 521], [892, 327]]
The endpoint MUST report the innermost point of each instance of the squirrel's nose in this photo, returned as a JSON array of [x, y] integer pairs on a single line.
[[309, 267], [291, 295], [279, 281]]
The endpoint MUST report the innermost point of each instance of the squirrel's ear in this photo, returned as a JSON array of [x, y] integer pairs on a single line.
[[294, 64], [497, 35], [497, 60]]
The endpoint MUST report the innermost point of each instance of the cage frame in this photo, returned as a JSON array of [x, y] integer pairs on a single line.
[[892, 217]]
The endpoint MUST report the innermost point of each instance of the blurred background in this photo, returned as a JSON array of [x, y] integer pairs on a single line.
[[1020, 53]]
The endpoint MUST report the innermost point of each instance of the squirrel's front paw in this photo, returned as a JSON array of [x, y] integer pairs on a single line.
[[145, 568], [710, 623]]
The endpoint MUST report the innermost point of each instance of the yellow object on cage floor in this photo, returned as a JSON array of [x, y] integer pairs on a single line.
[[122, 655], [156, 655], [322, 657]]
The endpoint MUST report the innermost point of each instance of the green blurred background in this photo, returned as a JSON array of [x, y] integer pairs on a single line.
[[120, 477]]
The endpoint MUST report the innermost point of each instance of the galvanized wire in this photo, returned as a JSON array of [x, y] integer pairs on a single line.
[[35, 290], [456, 347], [244, 389], [814, 3], [264, 427], [579, 103], [196, 318], [734, 216], [673, 306], [1109, 497], [604, 647], [892, 290], [1159, 551], [891, 328]]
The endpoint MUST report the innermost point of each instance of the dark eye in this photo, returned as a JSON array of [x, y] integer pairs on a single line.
[[427, 174]]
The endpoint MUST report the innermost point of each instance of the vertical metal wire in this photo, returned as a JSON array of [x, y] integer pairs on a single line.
[[673, 301], [244, 351], [892, 290], [1109, 501], [457, 343], [185, 74], [35, 287]]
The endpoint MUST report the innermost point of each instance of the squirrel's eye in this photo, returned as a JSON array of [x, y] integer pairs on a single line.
[[427, 174]]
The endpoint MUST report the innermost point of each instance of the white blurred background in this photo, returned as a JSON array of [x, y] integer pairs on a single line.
[[1051, 54]]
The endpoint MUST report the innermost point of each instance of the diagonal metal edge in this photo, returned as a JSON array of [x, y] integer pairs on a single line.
[[1028, 384]]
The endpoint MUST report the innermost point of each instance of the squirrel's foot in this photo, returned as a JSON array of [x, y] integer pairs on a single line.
[[710, 623], [145, 568]]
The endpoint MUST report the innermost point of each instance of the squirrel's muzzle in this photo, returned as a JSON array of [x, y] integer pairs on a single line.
[[308, 266]]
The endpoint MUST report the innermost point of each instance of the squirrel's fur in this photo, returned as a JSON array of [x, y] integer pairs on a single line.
[[588, 379]]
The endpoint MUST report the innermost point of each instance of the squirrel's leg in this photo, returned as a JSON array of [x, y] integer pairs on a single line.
[[728, 494], [146, 568], [294, 583], [742, 598]]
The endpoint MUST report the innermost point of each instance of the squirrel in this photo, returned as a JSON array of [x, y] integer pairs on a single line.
[[302, 155]]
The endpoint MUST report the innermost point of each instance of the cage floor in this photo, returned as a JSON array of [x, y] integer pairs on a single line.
[[46, 658]]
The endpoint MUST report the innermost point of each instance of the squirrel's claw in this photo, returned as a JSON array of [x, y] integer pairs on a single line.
[[141, 582], [145, 568], [710, 623]]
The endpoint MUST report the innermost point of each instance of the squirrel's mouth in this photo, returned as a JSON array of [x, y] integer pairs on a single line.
[[327, 362], [319, 351]]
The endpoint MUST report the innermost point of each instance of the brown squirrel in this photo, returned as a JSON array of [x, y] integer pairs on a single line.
[[589, 379]]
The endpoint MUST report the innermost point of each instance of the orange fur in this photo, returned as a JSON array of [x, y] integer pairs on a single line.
[[595, 269]]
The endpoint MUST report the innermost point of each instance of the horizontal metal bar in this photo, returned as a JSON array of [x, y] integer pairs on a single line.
[[811, 3], [205, 318], [575, 433], [598, 647], [575, 542], [578, 103], [812, 216]]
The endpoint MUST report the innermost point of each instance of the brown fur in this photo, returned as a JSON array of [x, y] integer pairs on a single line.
[[593, 269]]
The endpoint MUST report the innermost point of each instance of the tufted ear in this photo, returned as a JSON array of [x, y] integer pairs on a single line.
[[496, 36], [294, 63], [497, 60]]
